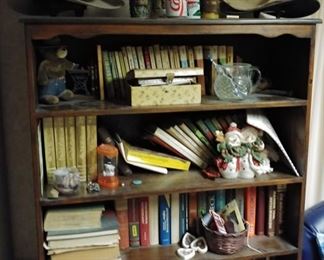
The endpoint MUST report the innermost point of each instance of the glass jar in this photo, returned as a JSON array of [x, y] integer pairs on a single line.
[[107, 166]]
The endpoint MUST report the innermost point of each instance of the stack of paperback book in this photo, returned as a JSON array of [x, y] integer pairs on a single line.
[[81, 233]]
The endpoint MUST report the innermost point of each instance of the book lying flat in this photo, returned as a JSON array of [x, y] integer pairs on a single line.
[[89, 253], [142, 155], [109, 225], [73, 218], [84, 241]]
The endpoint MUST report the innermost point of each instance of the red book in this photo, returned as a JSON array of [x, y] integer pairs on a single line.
[[144, 221], [250, 209], [122, 217], [147, 59], [260, 214], [192, 212], [133, 223]]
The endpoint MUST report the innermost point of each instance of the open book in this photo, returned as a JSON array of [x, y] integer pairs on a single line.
[[257, 119]]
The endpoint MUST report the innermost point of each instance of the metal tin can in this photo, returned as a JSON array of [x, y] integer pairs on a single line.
[[176, 8], [193, 7]]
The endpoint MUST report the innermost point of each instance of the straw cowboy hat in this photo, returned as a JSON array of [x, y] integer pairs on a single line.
[[287, 8], [103, 4]]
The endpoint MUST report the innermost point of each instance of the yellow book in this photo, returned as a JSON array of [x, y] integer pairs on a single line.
[[158, 57], [142, 155], [165, 57], [70, 147], [91, 122], [100, 73], [152, 57], [191, 58], [81, 147], [49, 147], [229, 54], [176, 57], [59, 138]]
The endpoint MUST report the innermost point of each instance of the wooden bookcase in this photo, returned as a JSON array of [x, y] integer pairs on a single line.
[[283, 49]]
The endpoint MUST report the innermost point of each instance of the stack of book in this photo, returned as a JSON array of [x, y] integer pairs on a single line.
[[81, 233]]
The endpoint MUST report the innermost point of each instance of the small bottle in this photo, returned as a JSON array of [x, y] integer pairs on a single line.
[[107, 166]]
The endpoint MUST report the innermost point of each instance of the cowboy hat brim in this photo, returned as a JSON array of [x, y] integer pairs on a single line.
[[103, 4], [253, 5]]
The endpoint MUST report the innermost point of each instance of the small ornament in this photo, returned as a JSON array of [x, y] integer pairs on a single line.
[[93, 187]]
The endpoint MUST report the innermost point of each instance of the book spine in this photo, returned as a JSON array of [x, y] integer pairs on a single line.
[[49, 147], [125, 58], [100, 73], [70, 146], [144, 221], [59, 137], [220, 200], [261, 209], [191, 57], [119, 74], [165, 58], [199, 62], [229, 54], [222, 54], [250, 209], [201, 204], [280, 211], [81, 147], [108, 78], [172, 58], [152, 57], [176, 57], [147, 59], [157, 55], [239, 196], [40, 157], [123, 74], [183, 56], [211, 201], [164, 220], [122, 217], [271, 211], [202, 126], [135, 58], [154, 219], [130, 57], [229, 195], [192, 212], [115, 76], [182, 214], [91, 135], [175, 217], [210, 126], [133, 223], [140, 56]]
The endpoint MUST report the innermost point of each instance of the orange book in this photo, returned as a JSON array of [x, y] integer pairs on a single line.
[[192, 212], [250, 208], [122, 217]]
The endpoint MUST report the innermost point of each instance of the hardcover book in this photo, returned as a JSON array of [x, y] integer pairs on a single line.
[[91, 128], [143, 203], [81, 147], [59, 138], [164, 219], [154, 219], [250, 208], [133, 223], [183, 214], [49, 147], [175, 217], [121, 208]]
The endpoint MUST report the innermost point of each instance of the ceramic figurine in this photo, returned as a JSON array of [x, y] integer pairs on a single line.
[[243, 153]]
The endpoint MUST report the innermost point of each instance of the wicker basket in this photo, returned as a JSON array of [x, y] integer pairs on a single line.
[[224, 244]]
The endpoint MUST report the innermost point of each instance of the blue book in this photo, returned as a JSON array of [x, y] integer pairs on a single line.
[[202, 204], [182, 214], [164, 219], [220, 200]]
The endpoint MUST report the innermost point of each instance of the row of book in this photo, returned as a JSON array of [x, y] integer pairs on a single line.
[[114, 65], [164, 219], [88, 232], [69, 142]]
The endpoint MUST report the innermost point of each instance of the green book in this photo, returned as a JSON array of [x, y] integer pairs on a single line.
[[108, 77]]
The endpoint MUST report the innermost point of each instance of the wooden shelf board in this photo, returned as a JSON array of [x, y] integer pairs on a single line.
[[209, 103], [176, 181], [269, 246]]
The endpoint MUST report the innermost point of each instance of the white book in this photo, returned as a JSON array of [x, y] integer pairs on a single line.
[[165, 58], [140, 57], [130, 57], [152, 57], [187, 130], [170, 140], [175, 219], [154, 219], [183, 56], [135, 59], [192, 145]]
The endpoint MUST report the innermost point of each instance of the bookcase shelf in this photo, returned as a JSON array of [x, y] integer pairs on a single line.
[[152, 183], [268, 247], [282, 48], [96, 107]]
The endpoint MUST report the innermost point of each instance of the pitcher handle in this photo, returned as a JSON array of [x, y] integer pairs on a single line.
[[255, 76]]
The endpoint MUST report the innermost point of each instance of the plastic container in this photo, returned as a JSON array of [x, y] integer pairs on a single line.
[[107, 166]]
